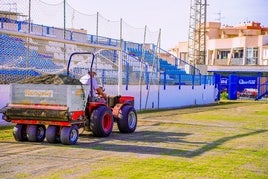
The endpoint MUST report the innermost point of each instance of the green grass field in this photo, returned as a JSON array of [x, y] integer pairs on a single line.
[[226, 140]]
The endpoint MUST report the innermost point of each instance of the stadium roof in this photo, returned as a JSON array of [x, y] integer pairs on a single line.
[[11, 13]]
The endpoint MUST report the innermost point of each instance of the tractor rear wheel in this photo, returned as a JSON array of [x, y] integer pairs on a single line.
[[101, 121], [52, 134], [127, 121], [69, 135], [19, 132], [36, 133]]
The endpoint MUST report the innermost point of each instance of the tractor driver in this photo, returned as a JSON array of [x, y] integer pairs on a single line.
[[96, 88]]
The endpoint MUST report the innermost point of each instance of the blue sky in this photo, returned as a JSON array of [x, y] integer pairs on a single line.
[[172, 16]]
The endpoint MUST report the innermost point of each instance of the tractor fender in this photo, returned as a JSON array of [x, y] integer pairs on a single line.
[[92, 105]]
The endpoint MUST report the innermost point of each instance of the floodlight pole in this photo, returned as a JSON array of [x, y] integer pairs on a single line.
[[64, 29], [119, 86], [141, 64], [64, 19], [158, 68], [28, 41], [97, 29]]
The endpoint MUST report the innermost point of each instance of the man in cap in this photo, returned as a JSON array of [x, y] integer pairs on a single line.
[[86, 80]]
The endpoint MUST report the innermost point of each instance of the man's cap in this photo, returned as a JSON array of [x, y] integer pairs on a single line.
[[93, 71]]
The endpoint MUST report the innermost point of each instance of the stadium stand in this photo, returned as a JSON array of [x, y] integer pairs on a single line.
[[48, 55], [14, 54], [171, 70]]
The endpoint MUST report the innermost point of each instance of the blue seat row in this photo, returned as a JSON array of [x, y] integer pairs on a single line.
[[13, 53], [164, 65]]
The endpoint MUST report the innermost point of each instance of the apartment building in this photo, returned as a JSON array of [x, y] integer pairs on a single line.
[[242, 49]]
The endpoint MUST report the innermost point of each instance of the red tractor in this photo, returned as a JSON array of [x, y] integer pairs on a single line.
[[57, 112]]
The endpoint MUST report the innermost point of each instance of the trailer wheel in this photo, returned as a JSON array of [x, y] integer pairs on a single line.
[[52, 134], [101, 122], [69, 135], [36, 133], [19, 132], [127, 121]]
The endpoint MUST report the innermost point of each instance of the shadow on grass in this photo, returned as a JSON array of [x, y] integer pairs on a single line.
[[146, 142], [140, 142], [212, 145]]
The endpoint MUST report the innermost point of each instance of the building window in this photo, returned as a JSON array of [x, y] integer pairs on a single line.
[[238, 53], [265, 53], [183, 56], [223, 54], [252, 56]]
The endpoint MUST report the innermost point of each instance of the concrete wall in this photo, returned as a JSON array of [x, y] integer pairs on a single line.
[[171, 97]]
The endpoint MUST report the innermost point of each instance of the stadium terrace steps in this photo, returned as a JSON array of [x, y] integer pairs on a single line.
[[150, 59]]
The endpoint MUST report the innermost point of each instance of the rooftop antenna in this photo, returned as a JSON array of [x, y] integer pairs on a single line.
[[72, 19], [220, 17]]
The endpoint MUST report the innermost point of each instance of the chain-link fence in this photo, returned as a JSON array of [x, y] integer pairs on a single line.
[[29, 48], [38, 38], [63, 16]]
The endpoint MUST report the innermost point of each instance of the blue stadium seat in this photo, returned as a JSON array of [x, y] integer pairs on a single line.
[[170, 70], [14, 55]]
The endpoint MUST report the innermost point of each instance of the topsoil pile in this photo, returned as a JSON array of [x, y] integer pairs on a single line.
[[51, 79]]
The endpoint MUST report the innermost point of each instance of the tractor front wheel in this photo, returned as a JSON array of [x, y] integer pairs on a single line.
[[127, 119]]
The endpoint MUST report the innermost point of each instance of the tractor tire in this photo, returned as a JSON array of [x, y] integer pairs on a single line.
[[127, 121], [19, 132], [36, 133], [101, 122], [69, 135], [52, 134]]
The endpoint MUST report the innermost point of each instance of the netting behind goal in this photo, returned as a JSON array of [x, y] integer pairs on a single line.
[[60, 15], [54, 32], [26, 55]]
